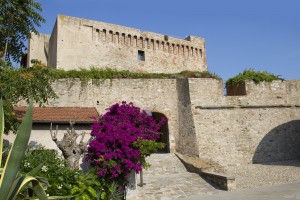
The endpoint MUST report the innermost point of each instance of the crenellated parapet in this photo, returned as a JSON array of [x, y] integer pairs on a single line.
[[81, 43]]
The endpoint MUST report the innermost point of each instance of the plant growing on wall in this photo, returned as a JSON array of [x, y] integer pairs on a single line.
[[197, 74], [121, 140], [252, 75], [166, 37]]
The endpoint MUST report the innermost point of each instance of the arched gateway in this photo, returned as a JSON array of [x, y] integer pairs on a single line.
[[165, 132]]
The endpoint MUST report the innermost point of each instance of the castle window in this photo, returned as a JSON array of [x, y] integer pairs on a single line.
[[141, 55]]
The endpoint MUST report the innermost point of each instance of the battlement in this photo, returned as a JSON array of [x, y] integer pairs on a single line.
[[81, 43]]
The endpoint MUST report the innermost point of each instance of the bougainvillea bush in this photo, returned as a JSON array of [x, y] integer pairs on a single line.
[[121, 140]]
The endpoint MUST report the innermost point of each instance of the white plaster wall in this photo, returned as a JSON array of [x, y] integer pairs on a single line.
[[40, 135]]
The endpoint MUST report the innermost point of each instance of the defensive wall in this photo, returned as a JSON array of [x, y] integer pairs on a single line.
[[261, 126], [83, 43], [155, 95]]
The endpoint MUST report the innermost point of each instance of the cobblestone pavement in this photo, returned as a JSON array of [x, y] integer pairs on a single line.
[[272, 173], [285, 191], [167, 179]]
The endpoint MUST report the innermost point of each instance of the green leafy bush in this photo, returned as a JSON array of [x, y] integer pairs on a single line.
[[13, 183], [251, 74], [91, 187], [62, 180]]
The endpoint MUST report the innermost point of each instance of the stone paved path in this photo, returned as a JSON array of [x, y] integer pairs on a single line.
[[167, 179], [257, 175]]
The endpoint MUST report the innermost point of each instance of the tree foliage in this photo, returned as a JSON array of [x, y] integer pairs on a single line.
[[18, 19], [22, 85]]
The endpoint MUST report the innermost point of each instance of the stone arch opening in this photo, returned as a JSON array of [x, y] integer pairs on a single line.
[[165, 132]]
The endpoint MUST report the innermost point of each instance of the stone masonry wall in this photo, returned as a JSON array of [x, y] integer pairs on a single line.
[[260, 127], [157, 95], [38, 48], [52, 58], [187, 142], [82, 43]]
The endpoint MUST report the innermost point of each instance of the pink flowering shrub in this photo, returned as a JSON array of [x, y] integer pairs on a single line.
[[121, 140]]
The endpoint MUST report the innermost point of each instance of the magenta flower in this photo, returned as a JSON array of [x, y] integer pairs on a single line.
[[112, 148]]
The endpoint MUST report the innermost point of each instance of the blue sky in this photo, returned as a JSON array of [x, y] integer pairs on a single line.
[[258, 34]]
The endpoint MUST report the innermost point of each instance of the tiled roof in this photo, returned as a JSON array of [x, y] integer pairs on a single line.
[[60, 114]]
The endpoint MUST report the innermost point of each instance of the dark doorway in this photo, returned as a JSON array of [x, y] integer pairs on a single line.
[[165, 132]]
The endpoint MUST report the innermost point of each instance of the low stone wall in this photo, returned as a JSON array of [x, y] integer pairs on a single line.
[[219, 180], [225, 182]]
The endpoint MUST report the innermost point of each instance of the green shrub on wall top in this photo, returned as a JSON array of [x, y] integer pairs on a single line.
[[97, 73], [252, 75], [197, 74]]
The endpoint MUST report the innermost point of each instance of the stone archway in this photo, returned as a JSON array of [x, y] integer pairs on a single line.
[[165, 132]]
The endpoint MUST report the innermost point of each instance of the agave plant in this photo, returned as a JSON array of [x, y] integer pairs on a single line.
[[12, 183]]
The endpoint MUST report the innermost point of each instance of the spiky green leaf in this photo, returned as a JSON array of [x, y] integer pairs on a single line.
[[16, 155]]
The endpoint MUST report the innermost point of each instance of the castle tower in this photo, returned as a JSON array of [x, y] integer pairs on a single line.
[[80, 43]]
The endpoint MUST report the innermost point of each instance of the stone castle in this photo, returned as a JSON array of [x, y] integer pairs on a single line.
[[79, 43], [258, 125]]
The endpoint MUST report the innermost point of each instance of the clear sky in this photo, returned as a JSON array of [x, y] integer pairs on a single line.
[[240, 34]]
